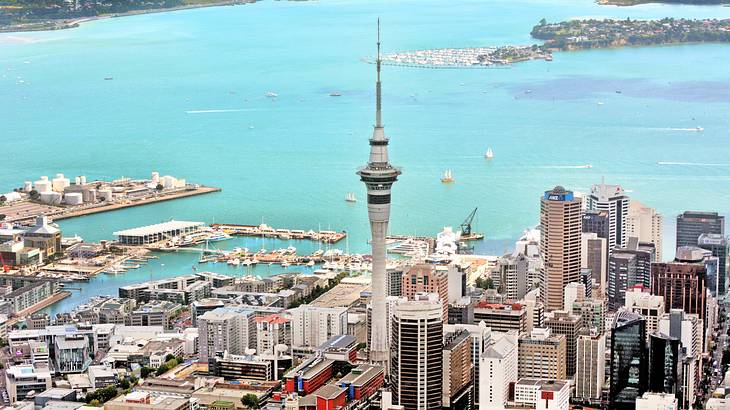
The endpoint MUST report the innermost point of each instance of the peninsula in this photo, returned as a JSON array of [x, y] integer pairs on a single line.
[[637, 2], [589, 34], [40, 15]]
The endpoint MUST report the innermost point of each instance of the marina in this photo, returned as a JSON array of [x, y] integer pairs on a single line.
[[477, 57], [265, 231]]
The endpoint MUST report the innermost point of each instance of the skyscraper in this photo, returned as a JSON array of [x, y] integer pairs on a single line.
[[622, 274], [629, 362], [646, 224], [612, 199], [416, 363], [692, 224], [567, 324], [665, 364], [590, 365], [717, 244], [378, 176], [682, 284], [425, 278], [560, 219]]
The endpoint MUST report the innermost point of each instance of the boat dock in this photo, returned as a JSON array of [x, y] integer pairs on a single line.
[[266, 231]]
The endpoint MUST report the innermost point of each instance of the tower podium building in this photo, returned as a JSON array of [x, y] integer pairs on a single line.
[[378, 176]]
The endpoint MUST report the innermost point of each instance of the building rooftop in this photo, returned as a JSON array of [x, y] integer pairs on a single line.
[[158, 228], [273, 319], [339, 342], [310, 368], [361, 375], [544, 384], [329, 391], [56, 393], [342, 295]]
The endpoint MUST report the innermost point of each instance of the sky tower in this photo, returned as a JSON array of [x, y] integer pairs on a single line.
[[378, 176]]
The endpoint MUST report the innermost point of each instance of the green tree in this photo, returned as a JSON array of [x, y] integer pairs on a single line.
[[3, 200], [250, 401], [543, 21], [169, 357], [124, 384], [94, 403], [146, 371], [2, 217], [34, 195], [159, 187]]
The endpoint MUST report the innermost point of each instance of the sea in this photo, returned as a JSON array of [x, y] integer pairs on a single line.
[[188, 99]]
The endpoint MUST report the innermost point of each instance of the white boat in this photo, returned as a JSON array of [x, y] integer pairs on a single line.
[[234, 262], [272, 94], [285, 264], [699, 129], [335, 94], [489, 154], [350, 197], [247, 262], [447, 178], [310, 263]]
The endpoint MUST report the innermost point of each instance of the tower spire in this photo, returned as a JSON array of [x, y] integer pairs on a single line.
[[378, 97]]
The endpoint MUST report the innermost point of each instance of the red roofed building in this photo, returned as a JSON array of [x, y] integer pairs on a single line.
[[424, 278], [272, 330]]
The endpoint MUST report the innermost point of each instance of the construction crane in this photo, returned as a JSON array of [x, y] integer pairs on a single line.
[[466, 229]]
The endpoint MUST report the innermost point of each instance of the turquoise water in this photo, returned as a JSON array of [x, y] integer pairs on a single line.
[[294, 167]]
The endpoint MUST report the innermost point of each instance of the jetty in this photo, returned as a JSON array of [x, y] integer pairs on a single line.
[[266, 231]]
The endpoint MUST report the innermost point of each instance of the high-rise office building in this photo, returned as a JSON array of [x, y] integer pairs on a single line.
[[313, 325], [682, 284], [541, 355], [425, 278], [651, 307], [481, 339], [567, 324], [590, 371], [594, 256], [378, 176], [665, 365], [574, 292], [416, 362], [498, 370], [622, 274], [592, 312], [612, 199], [692, 224], [226, 329], [513, 276], [629, 361], [717, 244], [458, 379], [560, 220], [597, 222], [646, 224], [688, 330]]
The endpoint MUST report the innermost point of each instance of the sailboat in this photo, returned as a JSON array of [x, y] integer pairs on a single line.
[[489, 154], [350, 197], [448, 177]]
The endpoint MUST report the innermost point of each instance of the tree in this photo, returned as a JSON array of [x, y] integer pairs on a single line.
[[124, 384], [34, 195], [146, 371], [543, 21], [2, 217], [3, 200], [94, 403], [159, 187], [250, 401], [169, 357]]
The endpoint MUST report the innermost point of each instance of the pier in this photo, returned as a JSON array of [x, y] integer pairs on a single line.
[[266, 231]]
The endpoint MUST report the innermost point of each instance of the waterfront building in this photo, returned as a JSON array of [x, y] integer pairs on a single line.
[[646, 224], [481, 339], [567, 324], [650, 307], [158, 232], [425, 278], [313, 325], [155, 313], [458, 377], [613, 200], [226, 330], [497, 371], [692, 224], [416, 362], [590, 373], [560, 219], [501, 317], [542, 394], [541, 355], [718, 245], [594, 256], [629, 361], [43, 236], [378, 176]]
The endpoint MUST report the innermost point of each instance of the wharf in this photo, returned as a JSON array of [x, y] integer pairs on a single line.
[[27, 211], [56, 297], [266, 231]]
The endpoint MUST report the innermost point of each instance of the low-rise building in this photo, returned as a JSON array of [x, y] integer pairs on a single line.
[[23, 379], [543, 394]]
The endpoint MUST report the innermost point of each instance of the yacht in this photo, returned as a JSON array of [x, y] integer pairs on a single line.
[[285, 264], [350, 197], [489, 154], [272, 94], [447, 178], [335, 94], [699, 129], [234, 262], [409, 247]]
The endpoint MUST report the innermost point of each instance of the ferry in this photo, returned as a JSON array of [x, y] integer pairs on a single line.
[[699, 129], [335, 94], [489, 154], [447, 178], [350, 197]]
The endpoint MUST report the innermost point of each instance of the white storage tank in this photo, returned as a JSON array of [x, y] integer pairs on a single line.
[[90, 196], [74, 198], [77, 181], [82, 179], [51, 198], [60, 182], [27, 186], [104, 194], [43, 184], [168, 182], [180, 183], [155, 178]]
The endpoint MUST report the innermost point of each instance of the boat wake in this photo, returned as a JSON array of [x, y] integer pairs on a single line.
[[216, 111], [696, 129], [692, 164], [586, 166]]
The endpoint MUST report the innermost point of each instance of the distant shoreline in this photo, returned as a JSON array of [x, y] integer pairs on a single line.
[[62, 24], [629, 3]]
